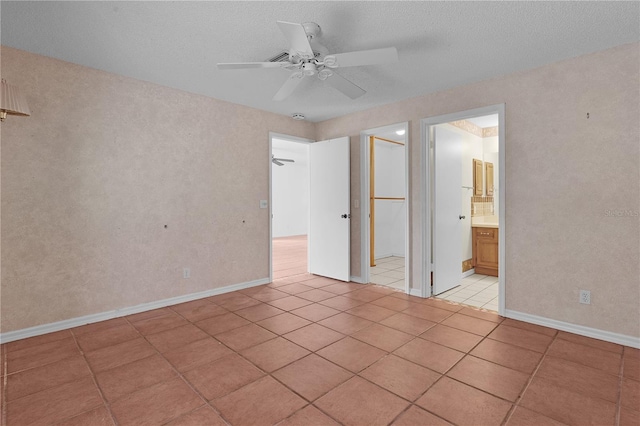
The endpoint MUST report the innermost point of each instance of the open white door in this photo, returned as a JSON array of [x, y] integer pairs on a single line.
[[329, 212], [447, 223]]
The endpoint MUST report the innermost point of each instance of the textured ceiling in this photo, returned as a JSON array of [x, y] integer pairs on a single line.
[[440, 44]]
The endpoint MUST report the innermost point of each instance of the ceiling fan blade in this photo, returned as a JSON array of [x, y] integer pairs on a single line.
[[297, 37], [242, 65], [345, 86], [365, 57], [289, 86]]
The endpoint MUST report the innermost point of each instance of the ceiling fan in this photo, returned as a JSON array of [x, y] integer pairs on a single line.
[[279, 161], [307, 57]]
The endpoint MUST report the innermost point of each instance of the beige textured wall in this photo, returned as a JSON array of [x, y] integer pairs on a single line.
[[90, 180], [563, 171], [104, 162]]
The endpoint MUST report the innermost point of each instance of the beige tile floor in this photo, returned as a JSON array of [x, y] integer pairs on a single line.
[[476, 290], [389, 271]]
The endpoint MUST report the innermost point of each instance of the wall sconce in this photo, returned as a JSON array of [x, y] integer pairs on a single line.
[[12, 102]]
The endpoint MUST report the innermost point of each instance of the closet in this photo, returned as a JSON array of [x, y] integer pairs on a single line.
[[387, 199]]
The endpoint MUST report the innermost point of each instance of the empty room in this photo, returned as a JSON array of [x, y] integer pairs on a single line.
[[319, 213]]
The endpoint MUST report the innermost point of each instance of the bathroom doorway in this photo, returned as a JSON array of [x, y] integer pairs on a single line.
[[463, 176], [384, 154]]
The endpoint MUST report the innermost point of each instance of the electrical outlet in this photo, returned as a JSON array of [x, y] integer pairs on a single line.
[[585, 297], [186, 273]]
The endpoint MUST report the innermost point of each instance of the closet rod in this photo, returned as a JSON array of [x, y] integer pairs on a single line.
[[388, 140]]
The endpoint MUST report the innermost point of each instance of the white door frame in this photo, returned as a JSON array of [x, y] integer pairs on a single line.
[[273, 135], [364, 201], [425, 178]]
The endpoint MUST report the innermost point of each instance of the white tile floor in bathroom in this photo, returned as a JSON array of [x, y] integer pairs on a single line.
[[389, 271], [476, 290]]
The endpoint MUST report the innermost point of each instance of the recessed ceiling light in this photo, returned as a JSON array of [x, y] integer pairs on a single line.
[[297, 116], [400, 132]]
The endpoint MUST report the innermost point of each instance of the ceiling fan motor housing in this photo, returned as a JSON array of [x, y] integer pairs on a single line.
[[312, 29]]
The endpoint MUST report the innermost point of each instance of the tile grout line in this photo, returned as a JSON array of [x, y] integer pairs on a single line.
[[444, 374], [31, 347], [184, 380], [516, 404], [266, 373], [106, 404], [411, 403], [513, 403], [620, 380], [357, 374], [269, 374], [140, 335]]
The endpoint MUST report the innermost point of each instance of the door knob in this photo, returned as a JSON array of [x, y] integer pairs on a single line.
[[345, 216], [461, 217]]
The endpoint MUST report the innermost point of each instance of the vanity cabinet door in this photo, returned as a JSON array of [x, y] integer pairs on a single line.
[[485, 251], [477, 177], [488, 179]]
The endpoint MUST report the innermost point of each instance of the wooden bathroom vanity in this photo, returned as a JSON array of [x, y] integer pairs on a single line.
[[484, 240]]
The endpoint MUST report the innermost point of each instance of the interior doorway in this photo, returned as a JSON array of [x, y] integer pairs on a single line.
[[289, 206], [463, 181], [385, 208], [309, 206]]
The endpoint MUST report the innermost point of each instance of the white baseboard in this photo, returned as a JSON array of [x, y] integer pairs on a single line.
[[469, 273], [10, 336], [609, 336]]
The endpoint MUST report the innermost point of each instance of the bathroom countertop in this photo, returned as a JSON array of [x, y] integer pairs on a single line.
[[484, 222], [484, 225]]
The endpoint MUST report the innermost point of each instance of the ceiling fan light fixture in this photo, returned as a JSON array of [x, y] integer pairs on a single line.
[[309, 68], [330, 61], [324, 74], [297, 116]]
